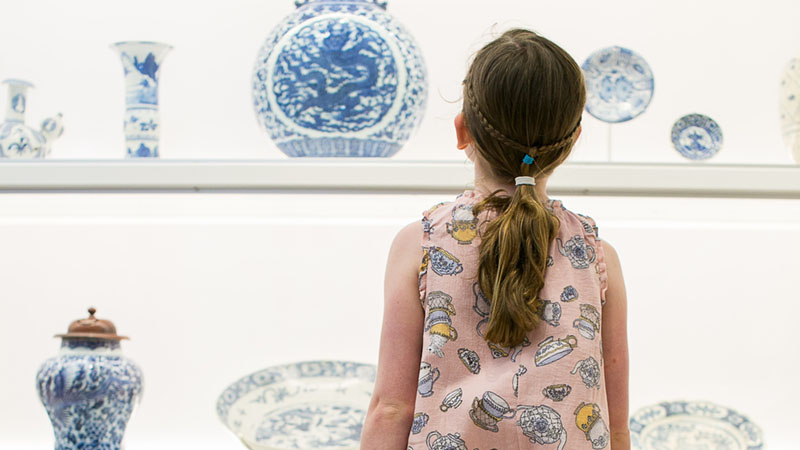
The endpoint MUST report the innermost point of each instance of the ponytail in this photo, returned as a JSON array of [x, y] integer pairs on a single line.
[[523, 101], [512, 262]]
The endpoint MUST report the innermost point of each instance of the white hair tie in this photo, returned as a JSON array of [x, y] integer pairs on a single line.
[[525, 180]]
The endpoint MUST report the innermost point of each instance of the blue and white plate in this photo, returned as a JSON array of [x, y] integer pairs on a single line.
[[696, 136], [693, 425], [314, 404], [619, 84]]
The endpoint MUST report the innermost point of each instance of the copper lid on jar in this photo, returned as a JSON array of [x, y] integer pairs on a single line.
[[92, 328]]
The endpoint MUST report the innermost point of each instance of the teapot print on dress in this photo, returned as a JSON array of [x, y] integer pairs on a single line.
[[451, 400], [464, 226], [542, 425], [549, 311], [490, 409], [587, 418], [443, 262], [589, 322], [439, 323], [450, 441], [580, 254], [552, 350], [419, 422], [427, 376], [590, 372], [557, 392]]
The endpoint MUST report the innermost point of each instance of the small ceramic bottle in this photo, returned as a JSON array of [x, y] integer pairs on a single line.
[[18, 140], [89, 388]]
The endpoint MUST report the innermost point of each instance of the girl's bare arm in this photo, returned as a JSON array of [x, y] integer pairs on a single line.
[[391, 409], [615, 350]]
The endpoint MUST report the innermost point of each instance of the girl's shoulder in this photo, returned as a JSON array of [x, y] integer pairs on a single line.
[[588, 224]]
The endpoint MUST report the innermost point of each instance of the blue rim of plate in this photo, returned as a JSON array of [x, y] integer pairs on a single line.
[[277, 374], [647, 415], [696, 137], [612, 96]]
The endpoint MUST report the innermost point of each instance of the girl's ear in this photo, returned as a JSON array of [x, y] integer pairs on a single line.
[[462, 135]]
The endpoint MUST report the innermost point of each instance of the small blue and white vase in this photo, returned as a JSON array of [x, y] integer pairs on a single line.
[[89, 389], [19, 141], [339, 78], [141, 62]]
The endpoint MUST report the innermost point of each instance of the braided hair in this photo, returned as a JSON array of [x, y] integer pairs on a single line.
[[523, 101]]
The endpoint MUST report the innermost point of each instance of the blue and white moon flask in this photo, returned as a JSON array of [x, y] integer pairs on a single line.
[[90, 388], [696, 137], [339, 78], [141, 62], [619, 84]]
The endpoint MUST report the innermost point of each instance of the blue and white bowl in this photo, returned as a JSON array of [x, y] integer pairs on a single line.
[[339, 78], [693, 424], [696, 137], [313, 404], [619, 84]]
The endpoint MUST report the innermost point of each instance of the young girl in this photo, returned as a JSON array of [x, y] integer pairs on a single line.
[[512, 332]]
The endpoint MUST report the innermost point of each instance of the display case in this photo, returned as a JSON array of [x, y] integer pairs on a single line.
[[253, 259]]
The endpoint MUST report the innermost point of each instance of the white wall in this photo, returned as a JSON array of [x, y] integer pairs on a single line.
[[715, 57], [211, 287], [214, 286]]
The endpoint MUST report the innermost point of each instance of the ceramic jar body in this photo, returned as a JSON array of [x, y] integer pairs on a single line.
[[790, 108], [141, 62], [89, 391], [339, 78]]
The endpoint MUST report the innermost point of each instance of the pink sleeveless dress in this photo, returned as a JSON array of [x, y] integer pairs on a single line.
[[550, 390]]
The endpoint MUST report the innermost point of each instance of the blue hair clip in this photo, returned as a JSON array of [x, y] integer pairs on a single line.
[[528, 159]]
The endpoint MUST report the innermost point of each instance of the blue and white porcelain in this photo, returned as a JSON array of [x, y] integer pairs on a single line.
[[696, 137], [90, 388], [693, 425], [339, 78], [790, 108], [141, 62], [313, 404], [18, 140], [619, 84]]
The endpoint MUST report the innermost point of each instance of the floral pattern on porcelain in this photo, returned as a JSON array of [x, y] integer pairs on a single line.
[[19, 141], [141, 62], [310, 404], [89, 391], [696, 137], [693, 424], [339, 78], [619, 84]]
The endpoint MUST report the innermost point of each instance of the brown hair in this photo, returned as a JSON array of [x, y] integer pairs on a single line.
[[523, 95]]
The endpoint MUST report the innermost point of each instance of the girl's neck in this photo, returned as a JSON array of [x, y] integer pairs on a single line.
[[485, 184]]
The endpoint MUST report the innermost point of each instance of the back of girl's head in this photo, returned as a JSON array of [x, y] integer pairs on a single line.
[[523, 95]]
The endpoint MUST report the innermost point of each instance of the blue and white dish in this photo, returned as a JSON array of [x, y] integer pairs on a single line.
[[313, 404], [619, 84], [693, 424], [339, 78], [696, 137]]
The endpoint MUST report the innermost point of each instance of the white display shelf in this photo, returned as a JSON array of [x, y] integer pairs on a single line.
[[576, 178]]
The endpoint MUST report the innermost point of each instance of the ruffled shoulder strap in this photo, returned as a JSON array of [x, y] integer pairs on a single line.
[[592, 236]]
